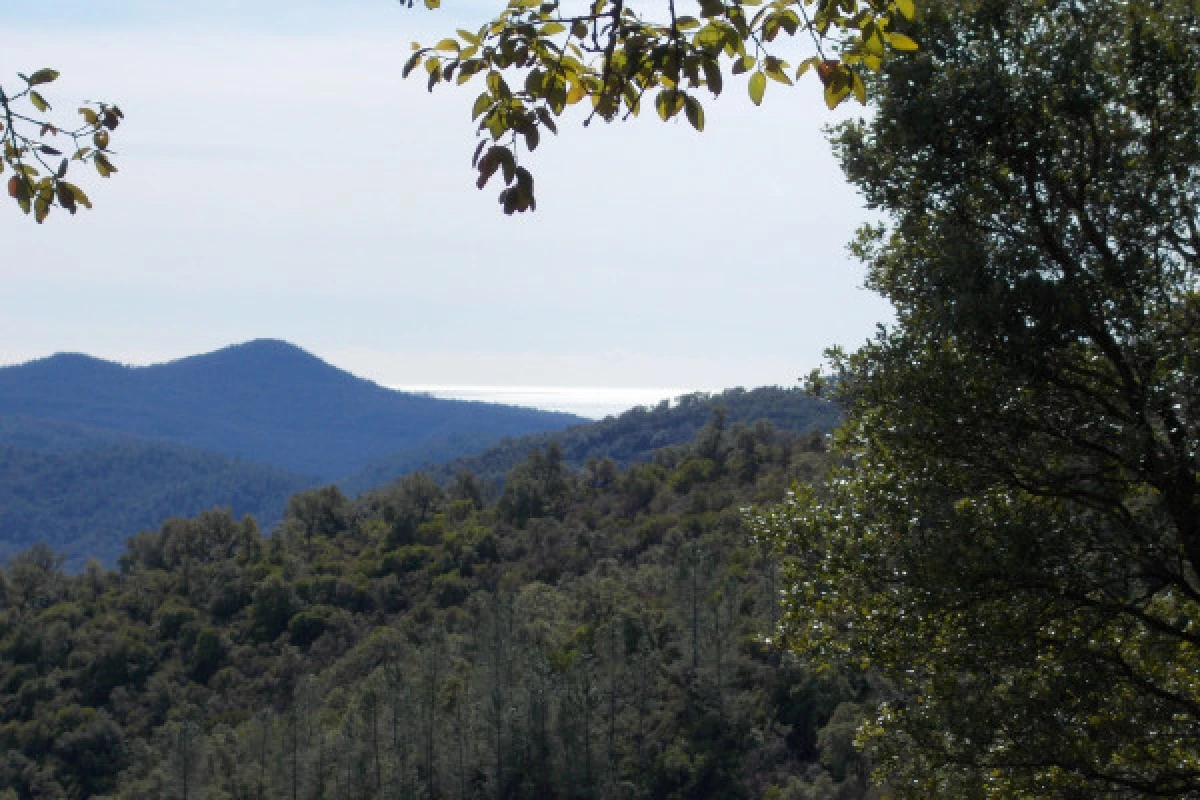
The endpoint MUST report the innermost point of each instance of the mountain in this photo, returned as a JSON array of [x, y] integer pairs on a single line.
[[266, 401], [633, 436], [92, 452]]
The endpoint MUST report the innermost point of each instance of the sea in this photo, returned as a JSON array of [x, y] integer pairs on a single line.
[[589, 402]]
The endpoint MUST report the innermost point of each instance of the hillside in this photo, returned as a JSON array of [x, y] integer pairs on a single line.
[[85, 502], [591, 634], [633, 436], [105, 462], [265, 401]]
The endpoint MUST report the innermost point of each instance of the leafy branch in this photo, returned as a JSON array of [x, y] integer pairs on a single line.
[[35, 153], [612, 56]]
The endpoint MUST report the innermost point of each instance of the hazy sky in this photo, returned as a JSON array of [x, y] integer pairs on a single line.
[[279, 179]]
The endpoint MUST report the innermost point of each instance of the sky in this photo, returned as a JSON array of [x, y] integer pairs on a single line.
[[279, 179]]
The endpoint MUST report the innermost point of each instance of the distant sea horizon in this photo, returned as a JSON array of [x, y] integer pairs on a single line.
[[589, 402]]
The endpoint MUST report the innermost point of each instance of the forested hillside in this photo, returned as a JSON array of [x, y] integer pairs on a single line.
[[627, 438], [591, 633], [85, 502], [84, 490]]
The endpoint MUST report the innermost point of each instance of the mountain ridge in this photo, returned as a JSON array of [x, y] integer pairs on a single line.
[[265, 400]]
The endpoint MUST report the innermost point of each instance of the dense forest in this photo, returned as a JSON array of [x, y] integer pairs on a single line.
[[632, 436], [85, 502], [84, 490], [600, 632]]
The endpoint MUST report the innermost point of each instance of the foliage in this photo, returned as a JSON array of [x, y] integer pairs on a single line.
[[609, 650], [38, 182], [86, 501], [537, 59], [1014, 541], [637, 434]]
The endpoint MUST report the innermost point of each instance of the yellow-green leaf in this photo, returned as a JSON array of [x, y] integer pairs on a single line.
[[482, 103], [38, 101], [758, 87], [901, 42], [907, 8], [80, 197], [103, 165], [835, 94]]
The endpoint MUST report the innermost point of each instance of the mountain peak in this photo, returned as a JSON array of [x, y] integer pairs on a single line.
[[264, 400]]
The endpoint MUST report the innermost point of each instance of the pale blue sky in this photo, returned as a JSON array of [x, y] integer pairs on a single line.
[[279, 179]]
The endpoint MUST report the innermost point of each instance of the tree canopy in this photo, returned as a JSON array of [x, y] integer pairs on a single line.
[[538, 58], [1014, 540], [40, 150]]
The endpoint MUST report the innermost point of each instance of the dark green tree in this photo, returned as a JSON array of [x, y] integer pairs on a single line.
[[1015, 540]]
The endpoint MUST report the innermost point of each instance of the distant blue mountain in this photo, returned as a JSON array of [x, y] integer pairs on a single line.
[[265, 401]]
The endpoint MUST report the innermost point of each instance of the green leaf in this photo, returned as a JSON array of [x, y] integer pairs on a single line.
[[487, 167], [43, 76], [508, 164], [39, 102], [907, 8], [103, 165], [664, 104], [775, 70], [695, 112], [758, 87], [65, 198], [78, 194], [712, 75], [409, 66], [835, 93], [532, 137], [482, 104], [806, 65], [552, 28], [449, 45]]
